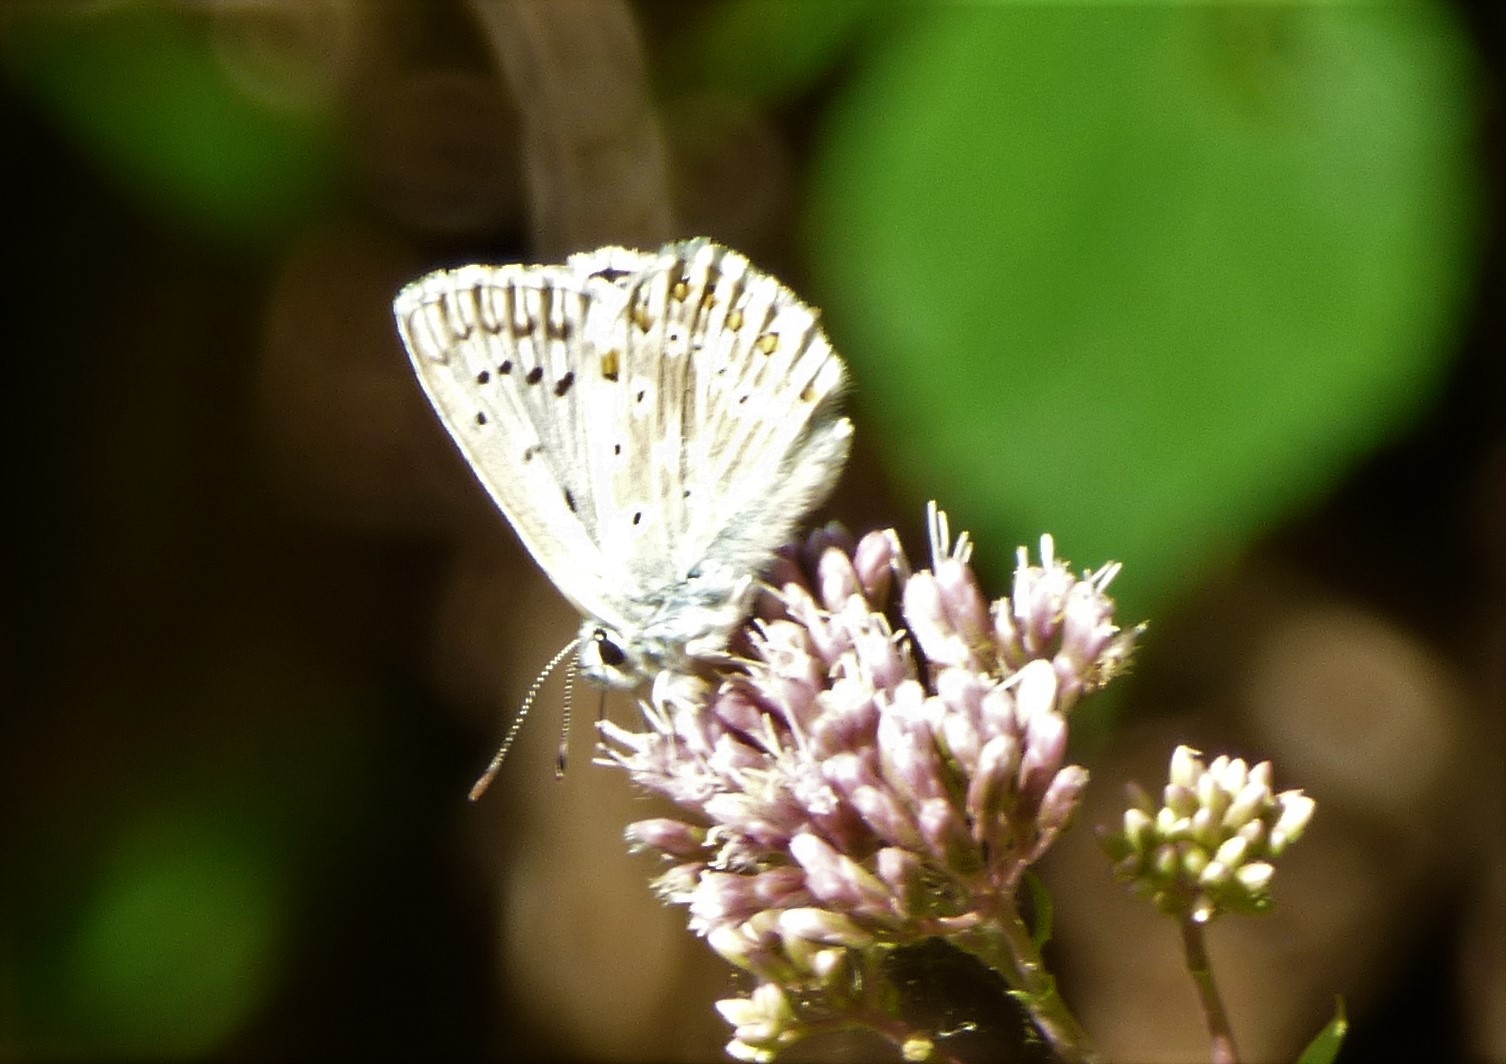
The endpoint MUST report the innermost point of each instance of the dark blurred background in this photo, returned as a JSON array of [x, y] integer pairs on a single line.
[[1212, 290]]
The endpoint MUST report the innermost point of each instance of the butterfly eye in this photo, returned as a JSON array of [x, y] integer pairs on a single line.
[[611, 654]]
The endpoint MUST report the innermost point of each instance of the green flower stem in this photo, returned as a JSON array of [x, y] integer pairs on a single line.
[[1005, 945], [1222, 1049]]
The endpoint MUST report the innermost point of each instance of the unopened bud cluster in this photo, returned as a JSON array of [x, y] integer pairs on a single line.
[[852, 788], [1207, 849]]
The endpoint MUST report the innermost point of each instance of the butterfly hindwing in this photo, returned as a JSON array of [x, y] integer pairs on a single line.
[[727, 411], [764, 443]]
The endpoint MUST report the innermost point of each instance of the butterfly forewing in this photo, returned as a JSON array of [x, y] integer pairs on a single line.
[[497, 352]]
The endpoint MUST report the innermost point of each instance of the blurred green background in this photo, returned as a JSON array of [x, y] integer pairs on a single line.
[[1159, 279]]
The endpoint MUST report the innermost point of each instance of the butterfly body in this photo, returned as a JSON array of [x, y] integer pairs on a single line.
[[654, 425]]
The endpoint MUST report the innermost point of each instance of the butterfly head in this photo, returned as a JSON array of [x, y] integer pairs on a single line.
[[608, 658]]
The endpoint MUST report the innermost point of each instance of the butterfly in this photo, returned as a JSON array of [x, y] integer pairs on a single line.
[[654, 425]]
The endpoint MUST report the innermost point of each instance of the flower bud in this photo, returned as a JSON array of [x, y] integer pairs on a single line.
[[878, 561], [1296, 811], [824, 926], [834, 877], [671, 837], [925, 612], [1062, 798]]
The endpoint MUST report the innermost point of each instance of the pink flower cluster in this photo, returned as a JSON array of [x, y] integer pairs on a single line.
[[850, 787]]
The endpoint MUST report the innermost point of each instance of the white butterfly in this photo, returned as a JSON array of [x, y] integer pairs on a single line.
[[653, 424]]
